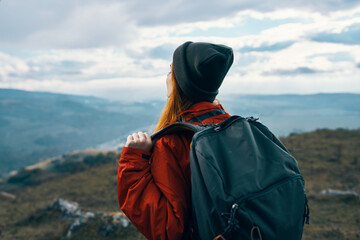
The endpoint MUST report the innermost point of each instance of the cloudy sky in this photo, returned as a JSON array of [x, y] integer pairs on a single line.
[[122, 49]]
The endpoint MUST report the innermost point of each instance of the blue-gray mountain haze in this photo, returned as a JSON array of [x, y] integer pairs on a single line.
[[38, 125]]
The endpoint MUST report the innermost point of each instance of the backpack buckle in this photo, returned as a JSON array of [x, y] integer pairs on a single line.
[[217, 128], [252, 119]]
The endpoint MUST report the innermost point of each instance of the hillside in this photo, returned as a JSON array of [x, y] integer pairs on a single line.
[[38, 125], [87, 178], [328, 159]]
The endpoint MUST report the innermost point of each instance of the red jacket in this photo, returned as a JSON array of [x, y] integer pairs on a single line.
[[154, 188]]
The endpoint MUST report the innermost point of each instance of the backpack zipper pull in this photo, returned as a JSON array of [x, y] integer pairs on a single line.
[[233, 213], [232, 222]]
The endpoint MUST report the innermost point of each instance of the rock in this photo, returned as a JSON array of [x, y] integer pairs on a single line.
[[76, 224], [109, 221], [120, 218], [9, 196], [335, 193], [67, 208], [79, 221]]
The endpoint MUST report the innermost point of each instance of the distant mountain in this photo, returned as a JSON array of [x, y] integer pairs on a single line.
[[39, 125], [291, 113], [285, 114]]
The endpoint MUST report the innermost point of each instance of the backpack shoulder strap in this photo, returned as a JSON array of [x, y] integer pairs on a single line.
[[176, 128], [186, 125]]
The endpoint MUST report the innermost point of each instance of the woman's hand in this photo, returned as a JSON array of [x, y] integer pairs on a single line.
[[139, 140]]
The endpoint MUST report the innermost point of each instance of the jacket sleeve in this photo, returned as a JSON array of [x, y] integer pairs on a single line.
[[155, 197]]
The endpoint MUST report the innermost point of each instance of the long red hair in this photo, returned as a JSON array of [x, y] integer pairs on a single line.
[[176, 103]]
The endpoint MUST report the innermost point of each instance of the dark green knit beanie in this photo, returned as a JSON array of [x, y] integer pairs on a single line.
[[200, 69]]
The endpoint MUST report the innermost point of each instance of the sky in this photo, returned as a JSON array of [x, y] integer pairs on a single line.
[[122, 50]]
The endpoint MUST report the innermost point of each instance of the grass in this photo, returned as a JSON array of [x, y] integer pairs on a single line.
[[327, 159]]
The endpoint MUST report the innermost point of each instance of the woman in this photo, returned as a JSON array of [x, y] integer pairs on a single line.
[[154, 178]]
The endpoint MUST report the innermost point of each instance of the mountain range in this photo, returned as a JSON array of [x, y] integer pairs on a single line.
[[39, 125]]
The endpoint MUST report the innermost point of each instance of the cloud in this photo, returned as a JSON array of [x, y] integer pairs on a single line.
[[81, 65], [10, 65], [296, 71], [304, 58], [267, 48], [287, 84], [64, 69], [122, 49], [161, 52], [20, 19], [245, 59], [335, 57], [65, 24], [42, 67], [175, 12], [95, 23], [350, 35]]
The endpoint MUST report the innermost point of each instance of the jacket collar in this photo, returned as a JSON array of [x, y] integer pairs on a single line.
[[200, 108]]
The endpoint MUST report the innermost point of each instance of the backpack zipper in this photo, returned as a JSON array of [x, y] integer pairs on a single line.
[[211, 128]]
